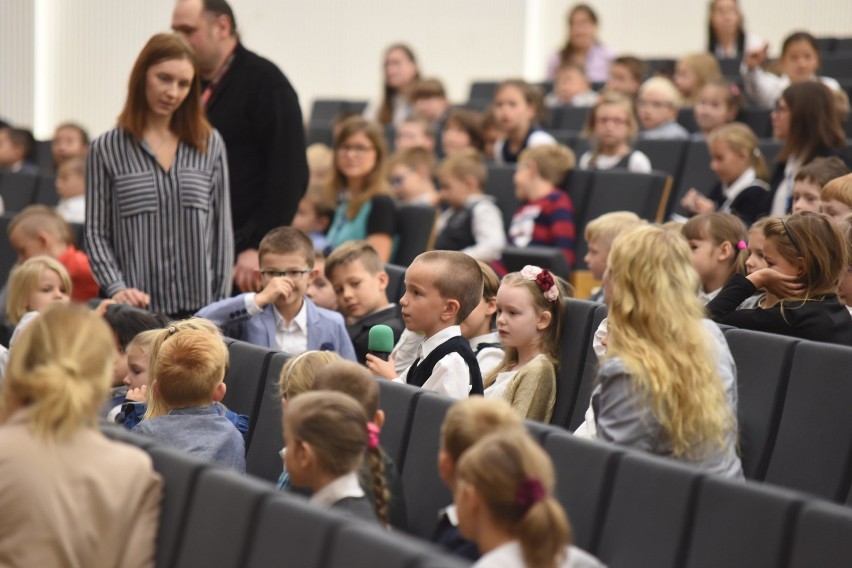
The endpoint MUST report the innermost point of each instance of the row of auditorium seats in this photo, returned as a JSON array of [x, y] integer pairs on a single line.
[[630, 509], [19, 190], [212, 517], [792, 412]]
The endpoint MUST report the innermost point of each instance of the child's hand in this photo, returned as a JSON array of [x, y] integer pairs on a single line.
[[133, 297], [277, 287], [756, 57], [694, 202], [139, 394], [776, 283], [384, 369]]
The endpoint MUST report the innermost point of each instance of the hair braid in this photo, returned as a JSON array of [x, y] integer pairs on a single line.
[[381, 496]]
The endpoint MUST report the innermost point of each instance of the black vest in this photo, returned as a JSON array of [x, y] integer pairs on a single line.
[[457, 234], [420, 371]]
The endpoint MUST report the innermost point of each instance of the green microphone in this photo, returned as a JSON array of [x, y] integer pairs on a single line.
[[380, 342]]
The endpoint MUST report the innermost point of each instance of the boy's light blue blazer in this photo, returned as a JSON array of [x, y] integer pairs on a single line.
[[326, 329]]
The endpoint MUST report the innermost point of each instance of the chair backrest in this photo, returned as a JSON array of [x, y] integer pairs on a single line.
[[515, 258], [398, 402], [589, 374], [539, 430], [416, 230], [686, 118], [695, 173], [245, 376], [500, 184], [822, 536], [814, 443], [665, 155], [740, 525], [568, 118], [578, 186], [483, 90], [180, 473], [573, 347], [287, 524], [647, 521], [45, 192], [585, 472], [8, 255], [758, 120], [222, 518], [325, 111], [363, 546], [266, 435], [763, 369], [770, 149], [425, 493], [838, 65], [396, 281], [17, 190], [644, 194]]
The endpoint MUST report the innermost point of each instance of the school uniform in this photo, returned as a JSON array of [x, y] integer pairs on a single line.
[[823, 318], [314, 328], [667, 131], [535, 137], [475, 229], [72, 209], [747, 197], [546, 222], [511, 555], [633, 161], [359, 332], [784, 174], [448, 537], [488, 350], [345, 496], [530, 390], [445, 364]]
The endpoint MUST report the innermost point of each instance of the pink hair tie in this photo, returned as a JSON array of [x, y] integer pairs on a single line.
[[742, 245], [373, 440], [530, 491]]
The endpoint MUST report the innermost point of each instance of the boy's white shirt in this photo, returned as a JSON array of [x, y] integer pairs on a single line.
[[291, 337], [450, 376]]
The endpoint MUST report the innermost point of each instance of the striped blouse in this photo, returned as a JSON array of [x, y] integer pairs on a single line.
[[166, 233]]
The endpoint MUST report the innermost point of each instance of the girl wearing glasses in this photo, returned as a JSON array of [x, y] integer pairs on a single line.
[[366, 210]]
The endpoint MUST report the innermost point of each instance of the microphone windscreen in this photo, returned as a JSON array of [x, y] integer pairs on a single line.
[[380, 339]]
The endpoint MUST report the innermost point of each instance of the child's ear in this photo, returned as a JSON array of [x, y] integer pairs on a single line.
[[446, 467], [379, 418], [726, 250], [544, 319], [44, 239], [383, 279], [220, 391], [312, 275], [800, 267], [532, 167], [491, 306], [451, 310]]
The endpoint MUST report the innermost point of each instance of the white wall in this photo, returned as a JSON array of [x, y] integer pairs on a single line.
[[69, 59]]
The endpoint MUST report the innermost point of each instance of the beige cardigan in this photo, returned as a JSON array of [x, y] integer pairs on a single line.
[[532, 391]]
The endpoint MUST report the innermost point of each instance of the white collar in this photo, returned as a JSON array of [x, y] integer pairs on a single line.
[[492, 337], [301, 319], [430, 343], [341, 488], [451, 513], [745, 180]]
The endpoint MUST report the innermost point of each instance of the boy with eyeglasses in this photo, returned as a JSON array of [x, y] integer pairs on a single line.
[[657, 108], [280, 316]]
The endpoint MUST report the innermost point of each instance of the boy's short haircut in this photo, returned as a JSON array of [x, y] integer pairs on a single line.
[[84, 134], [287, 240], [36, 218], [423, 122], [319, 152], [351, 251], [457, 276], [466, 163], [188, 367], [127, 322], [427, 89], [470, 121], [352, 379], [76, 164], [490, 281], [638, 68], [820, 171], [413, 158], [21, 138], [663, 86], [553, 161], [571, 66], [470, 419], [489, 119], [839, 189], [609, 225]]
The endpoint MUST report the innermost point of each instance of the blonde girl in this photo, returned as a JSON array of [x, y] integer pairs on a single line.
[[717, 103], [693, 72], [666, 384], [611, 128], [34, 285], [504, 500], [529, 324], [805, 257], [326, 434], [719, 249], [517, 106], [366, 210], [136, 380], [742, 189], [53, 456]]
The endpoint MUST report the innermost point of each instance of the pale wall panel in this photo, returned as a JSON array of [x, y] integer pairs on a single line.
[[16, 61]]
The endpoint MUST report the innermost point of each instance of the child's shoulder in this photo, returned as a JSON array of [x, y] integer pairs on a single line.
[[324, 313]]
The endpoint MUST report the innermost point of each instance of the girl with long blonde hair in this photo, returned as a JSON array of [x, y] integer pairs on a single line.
[[667, 384]]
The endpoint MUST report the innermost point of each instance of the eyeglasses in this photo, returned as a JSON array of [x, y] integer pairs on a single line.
[[611, 120], [292, 274], [778, 109], [653, 104], [357, 149]]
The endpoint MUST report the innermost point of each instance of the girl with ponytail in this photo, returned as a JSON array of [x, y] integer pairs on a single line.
[[505, 504], [59, 375]]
